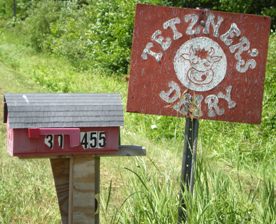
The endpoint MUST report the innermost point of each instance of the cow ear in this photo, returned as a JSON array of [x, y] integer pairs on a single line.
[[186, 56], [216, 58]]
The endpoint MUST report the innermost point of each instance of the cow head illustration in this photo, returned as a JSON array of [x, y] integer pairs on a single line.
[[201, 62]]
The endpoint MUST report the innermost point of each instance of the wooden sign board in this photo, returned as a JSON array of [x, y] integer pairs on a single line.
[[198, 63]]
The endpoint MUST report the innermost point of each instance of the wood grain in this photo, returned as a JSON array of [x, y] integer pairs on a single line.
[[60, 169], [77, 182], [82, 190]]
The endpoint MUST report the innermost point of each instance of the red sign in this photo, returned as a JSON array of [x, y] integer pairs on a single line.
[[199, 63]]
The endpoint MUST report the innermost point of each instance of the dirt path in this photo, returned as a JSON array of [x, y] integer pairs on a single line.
[[13, 82]]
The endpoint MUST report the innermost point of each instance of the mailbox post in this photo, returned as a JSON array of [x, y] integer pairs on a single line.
[[73, 130]]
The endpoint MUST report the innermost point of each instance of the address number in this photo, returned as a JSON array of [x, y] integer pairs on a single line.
[[88, 140], [50, 139], [93, 139]]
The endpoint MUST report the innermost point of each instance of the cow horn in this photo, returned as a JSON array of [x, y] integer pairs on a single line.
[[211, 51], [192, 51]]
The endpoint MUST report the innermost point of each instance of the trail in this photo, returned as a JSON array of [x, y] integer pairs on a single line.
[[9, 79], [17, 180], [9, 82], [13, 82]]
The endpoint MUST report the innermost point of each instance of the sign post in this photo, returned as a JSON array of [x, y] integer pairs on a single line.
[[188, 164], [197, 64]]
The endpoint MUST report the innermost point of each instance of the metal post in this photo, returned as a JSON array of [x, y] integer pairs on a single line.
[[188, 165], [14, 8]]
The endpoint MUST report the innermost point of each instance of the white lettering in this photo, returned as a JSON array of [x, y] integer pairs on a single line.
[[193, 18], [189, 105], [241, 47], [194, 27], [171, 23], [230, 34], [213, 108], [147, 51], [227, 97], [167, 96], [196, 110], [211, 21], [156, 36], [251, 63], [183, 104]]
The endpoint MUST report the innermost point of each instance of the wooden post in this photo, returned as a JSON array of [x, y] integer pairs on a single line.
[[61, 173], [77, 184], [188, 165], [97, 190], [82, 190]]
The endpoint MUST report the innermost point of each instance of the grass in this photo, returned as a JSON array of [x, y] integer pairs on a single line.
[[235, 177], [20, 189]]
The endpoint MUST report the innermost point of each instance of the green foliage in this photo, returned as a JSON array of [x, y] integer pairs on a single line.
[[38, 24], [110, 34], [219, 196], [264, 7], [194, 4], [270, 11], [152, 197], [269, 105], [95, 35], [18, 8]]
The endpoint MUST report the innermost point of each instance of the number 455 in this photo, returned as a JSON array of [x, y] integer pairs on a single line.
[[93, 139]]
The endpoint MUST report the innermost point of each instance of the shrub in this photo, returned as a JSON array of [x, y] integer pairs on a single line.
[[38, 23], [98, 34], [21, 9], [265, 7], [95, 35]]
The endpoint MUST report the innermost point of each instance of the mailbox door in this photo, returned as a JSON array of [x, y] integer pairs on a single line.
[[10, 134], [96, 140]]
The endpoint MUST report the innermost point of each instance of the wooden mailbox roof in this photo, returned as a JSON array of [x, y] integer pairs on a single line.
[[63, 110]]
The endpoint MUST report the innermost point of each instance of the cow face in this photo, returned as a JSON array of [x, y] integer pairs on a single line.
[[200, 59]]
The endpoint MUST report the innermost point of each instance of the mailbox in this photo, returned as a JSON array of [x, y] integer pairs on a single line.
[[43, 125]]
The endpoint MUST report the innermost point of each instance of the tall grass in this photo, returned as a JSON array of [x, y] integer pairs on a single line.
[[220, 197]]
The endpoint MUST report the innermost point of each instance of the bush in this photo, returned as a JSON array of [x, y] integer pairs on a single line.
[[20, 9], [269, 104], [265, 7], [98, 34], [110, 34], [38, 24]]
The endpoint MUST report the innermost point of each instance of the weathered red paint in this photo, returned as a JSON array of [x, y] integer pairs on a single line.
[[150, 75], [25, 143], [73, 133]]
